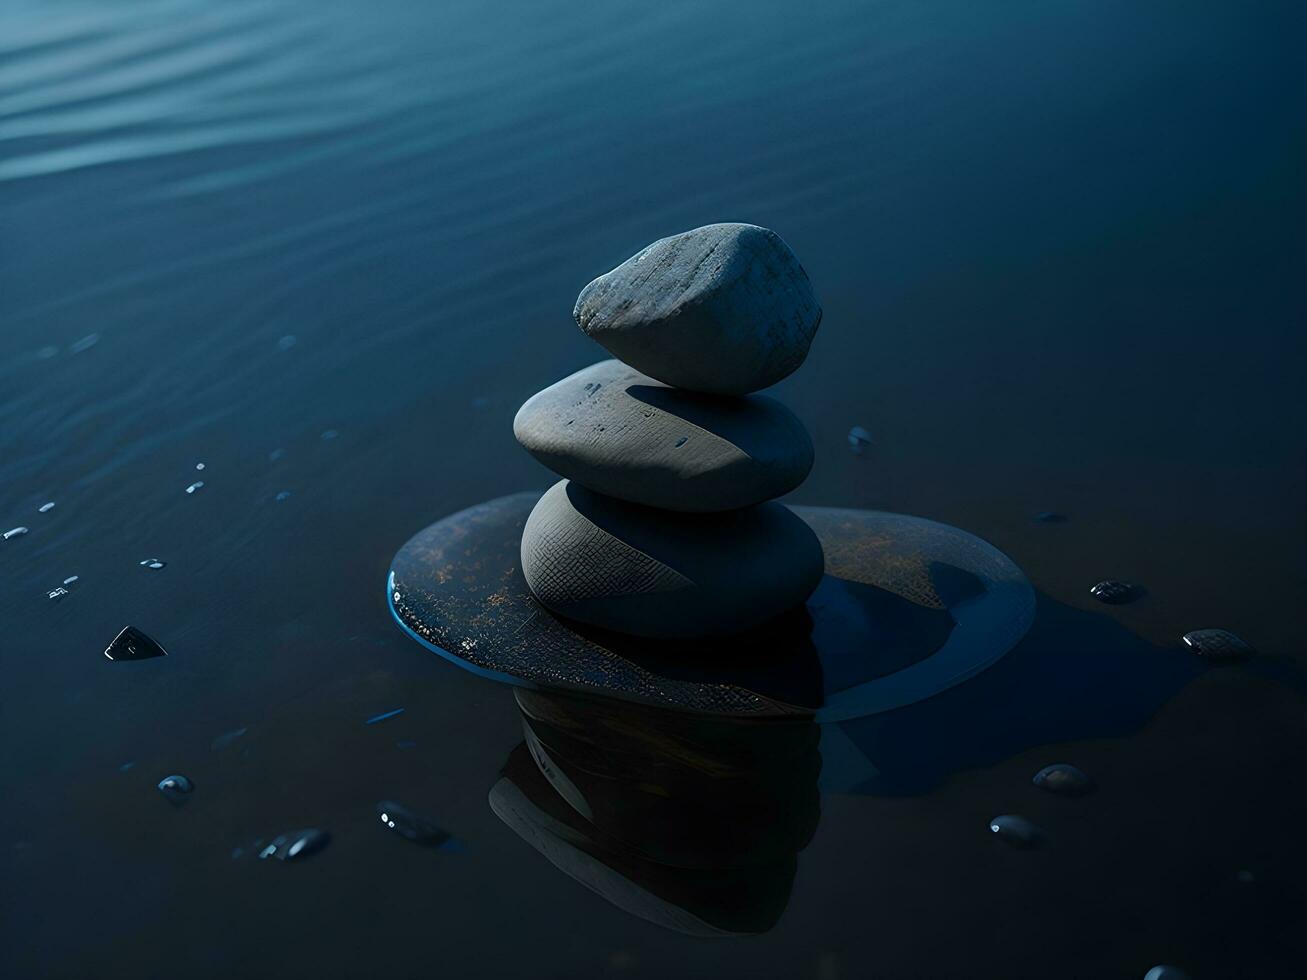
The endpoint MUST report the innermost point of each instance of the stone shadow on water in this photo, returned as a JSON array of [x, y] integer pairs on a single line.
[[689, 822], [1075, 675]]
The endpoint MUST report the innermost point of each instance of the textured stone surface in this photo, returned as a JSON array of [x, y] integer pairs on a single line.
[[648, 572], [724, 308], [617, 431]]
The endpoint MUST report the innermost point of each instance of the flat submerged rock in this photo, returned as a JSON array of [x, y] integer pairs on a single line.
[[647, 572], [907, 608], [725, 308], [619, 432]]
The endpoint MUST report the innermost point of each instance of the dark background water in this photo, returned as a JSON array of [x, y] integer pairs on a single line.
[[1061, 252]]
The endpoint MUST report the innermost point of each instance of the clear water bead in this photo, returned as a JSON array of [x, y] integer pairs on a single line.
[[296, 845], [859, 440], [410, 825], [1014, 830], [176, 788]]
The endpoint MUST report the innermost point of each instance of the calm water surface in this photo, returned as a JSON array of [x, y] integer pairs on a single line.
[[326, 249]]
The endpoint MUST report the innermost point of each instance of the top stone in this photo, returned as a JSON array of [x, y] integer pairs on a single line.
[[725, 309]]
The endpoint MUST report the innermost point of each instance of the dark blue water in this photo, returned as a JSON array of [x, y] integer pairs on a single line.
[[326, 249]]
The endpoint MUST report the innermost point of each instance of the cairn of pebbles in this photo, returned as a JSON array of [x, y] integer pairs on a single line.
[[664, 524]]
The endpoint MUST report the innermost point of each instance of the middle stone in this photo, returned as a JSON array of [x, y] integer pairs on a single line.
[[618, 432]]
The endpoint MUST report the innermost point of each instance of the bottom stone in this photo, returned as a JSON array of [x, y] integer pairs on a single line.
[[907, 608], [648, 572]]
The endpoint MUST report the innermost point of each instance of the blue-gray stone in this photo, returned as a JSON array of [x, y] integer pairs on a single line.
[[1064, 779], [1114, 593], [1213, 644], [133, 644], [725, 308], [650, 572], [619, 432]]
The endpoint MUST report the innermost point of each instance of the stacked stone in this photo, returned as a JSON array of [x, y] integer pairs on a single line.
[[664, 523]]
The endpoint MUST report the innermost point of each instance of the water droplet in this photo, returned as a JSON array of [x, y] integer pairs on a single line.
[[859, 440], [132, 644], [195, 486], [1166, 973], [1063, 779], [383, 716], [287, 342], [15, 532], [1113, 593], [60, 591], [86, 343], [126, 766], [284, 495], [1014, 830], [1217, 645], [1050, 517], [275, 455], [681, 441], [296, 845], [225, 739], [46, 508], [199, 466], [410, 825], [45, 353], [176, 788], [329, 434], [153, 564]]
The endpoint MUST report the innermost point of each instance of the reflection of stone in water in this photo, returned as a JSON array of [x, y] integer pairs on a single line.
[[688, 822]]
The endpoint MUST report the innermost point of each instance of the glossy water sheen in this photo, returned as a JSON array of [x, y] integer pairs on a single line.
[[1059, 247]]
